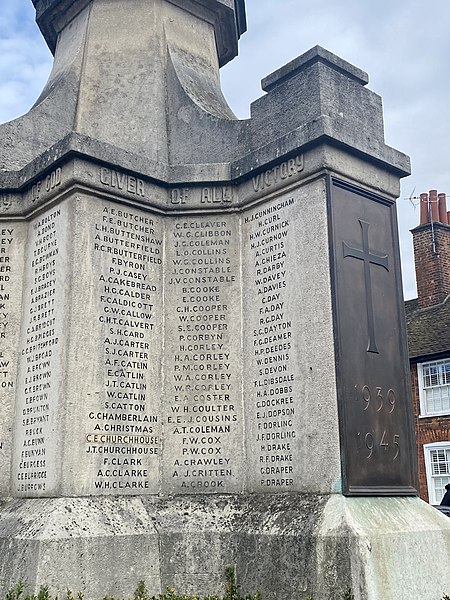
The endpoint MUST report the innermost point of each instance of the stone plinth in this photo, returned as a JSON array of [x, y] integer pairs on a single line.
[[199, 367]]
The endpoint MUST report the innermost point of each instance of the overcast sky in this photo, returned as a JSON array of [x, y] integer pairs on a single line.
[[404, 45]]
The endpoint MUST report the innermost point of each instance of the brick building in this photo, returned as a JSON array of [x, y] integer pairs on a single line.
[[428, 325]]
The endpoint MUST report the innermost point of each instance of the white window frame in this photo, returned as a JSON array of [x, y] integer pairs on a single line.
[[427, 449], [424, 412]]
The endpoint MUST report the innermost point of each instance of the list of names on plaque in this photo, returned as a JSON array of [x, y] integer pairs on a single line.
[[34, 467], [123, 439], [202, 388], [270, 373], [7, 302], [11, 256]]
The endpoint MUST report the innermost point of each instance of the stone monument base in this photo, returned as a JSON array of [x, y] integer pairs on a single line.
[[287, 546]]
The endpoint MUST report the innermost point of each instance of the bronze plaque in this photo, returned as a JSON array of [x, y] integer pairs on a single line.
[[375, 409]]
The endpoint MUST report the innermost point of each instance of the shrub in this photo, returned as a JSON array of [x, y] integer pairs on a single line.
[[232, 592]]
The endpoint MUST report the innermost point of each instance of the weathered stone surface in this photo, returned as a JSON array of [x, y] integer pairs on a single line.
[[227, 17], [283, 545], [180, 122], [171, 324], [81, 544], [166, 316], [281, 365], [12, 247], [383, 540]]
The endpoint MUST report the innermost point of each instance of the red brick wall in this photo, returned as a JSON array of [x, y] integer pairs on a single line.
[[432, 263], [428, 431]]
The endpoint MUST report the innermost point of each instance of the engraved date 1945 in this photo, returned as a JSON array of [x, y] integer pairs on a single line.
[[379, 442], [369, 442]]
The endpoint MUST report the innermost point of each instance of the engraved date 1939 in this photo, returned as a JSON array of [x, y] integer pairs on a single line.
[[379, 442]]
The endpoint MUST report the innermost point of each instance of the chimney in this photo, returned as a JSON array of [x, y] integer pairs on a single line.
[[431, 241]]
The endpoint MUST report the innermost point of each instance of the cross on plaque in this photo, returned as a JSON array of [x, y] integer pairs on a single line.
[[365, 255]]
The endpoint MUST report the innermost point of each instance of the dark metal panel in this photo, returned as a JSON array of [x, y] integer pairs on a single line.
[[375, 408]]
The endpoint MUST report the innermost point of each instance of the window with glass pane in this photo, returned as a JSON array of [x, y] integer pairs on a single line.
[[440, 473], [436, 387]]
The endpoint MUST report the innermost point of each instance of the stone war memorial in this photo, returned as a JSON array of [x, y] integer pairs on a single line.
[[203, 357]]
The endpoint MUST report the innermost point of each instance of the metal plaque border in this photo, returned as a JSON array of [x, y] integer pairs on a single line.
[[347, 488]]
